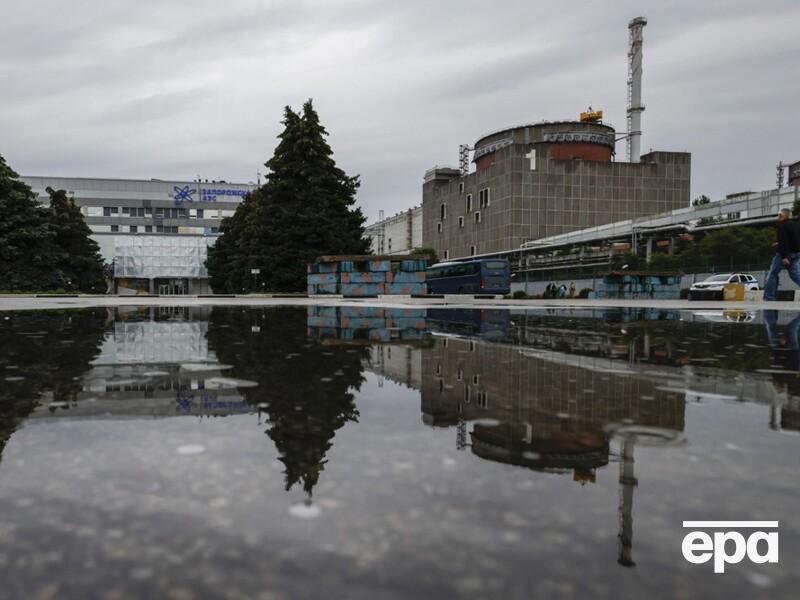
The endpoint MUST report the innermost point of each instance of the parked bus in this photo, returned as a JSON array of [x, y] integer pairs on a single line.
[[480, 276]]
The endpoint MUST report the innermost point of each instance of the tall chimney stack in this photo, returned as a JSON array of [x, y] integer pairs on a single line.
[[635, 106]]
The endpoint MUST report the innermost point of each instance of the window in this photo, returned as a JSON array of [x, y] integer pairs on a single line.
[[200, 213], [439, 227], [461, 222], [472, 250], [461, 187], [469, 202], [460, 374], [114, 228], [484, 199], [475, 378], [148, 229], [390, 244], [126, 212], [446, 254], [443, 212], [109, 211], [134, 229], [140, 212], [496, 264], [148, 212], [478, 216]]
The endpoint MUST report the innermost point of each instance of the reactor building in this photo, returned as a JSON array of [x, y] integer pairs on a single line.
[[540, 180], [544, 179]]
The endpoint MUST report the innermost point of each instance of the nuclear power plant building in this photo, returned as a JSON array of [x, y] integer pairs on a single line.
[[539, 180]]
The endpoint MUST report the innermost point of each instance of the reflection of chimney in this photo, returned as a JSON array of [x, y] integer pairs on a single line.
[[627, 482]]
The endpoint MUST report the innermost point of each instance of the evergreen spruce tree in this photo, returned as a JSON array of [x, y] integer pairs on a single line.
[[29, 259], [304, 209], [79, 258]]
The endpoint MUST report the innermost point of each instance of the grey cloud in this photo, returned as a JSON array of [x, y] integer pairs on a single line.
[[174, 89]]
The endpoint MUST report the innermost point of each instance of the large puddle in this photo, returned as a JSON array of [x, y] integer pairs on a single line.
[[333, 452]]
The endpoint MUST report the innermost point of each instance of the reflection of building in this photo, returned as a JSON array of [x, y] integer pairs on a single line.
[[401, 363], [156, 232], [367, 325], [154, 362], [543, 413]]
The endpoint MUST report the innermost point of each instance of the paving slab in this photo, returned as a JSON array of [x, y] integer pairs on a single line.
[[32, 302]]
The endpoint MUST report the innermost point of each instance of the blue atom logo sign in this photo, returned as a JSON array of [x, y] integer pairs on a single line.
[[183, 193]]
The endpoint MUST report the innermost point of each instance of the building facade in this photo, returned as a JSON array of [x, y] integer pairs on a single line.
[[398, 234], [541, 180], [156, 233]]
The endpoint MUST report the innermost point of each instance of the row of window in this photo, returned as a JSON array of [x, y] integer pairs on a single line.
[[476, 218], [154, 228], [473, 250], [147, 228], [484, 201], [164, 213]]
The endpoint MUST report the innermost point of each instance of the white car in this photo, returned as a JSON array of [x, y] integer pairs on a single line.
[[718, 282]]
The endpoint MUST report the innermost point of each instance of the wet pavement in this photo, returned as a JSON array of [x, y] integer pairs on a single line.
[[371, 452]]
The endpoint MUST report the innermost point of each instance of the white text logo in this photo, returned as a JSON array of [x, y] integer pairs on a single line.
[[728, 545]]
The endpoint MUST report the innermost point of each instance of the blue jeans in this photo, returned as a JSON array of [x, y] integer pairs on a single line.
[[771, 284]]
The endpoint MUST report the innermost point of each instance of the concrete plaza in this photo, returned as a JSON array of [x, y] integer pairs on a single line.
[[43, 302]]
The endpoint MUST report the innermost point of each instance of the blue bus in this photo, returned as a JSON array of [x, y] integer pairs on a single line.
[[480, 276]]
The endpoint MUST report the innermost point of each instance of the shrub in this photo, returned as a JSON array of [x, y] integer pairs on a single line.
[[519, 295], [584, 293]]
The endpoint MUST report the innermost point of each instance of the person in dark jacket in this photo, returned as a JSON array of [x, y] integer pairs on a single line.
[[787, 254]]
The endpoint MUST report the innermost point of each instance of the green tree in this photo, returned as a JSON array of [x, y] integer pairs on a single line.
[[700, 200], [28, 255], [429, 251], [303, 210], [628, 261], [79, 258], [730, 247]]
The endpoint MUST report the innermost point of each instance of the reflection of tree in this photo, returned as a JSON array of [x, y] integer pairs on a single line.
[[44, 352], [304, 386]]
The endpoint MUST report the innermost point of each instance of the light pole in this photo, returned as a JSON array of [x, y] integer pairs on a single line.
[[256, 273]]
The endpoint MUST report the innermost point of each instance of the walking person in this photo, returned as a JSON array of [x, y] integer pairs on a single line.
[[787, 254]]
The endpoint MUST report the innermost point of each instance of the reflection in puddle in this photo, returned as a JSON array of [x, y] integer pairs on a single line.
[[370, 442]]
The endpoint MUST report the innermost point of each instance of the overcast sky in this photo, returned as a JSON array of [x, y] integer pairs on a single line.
[[171, 89]]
